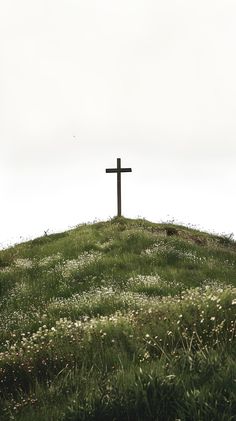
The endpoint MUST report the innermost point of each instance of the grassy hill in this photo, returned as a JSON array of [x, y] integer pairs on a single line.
[[119, 320]]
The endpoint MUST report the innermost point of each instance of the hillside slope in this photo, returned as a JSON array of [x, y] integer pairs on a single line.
[[119, 320]]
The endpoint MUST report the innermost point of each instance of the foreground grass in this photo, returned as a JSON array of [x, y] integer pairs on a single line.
[[122, 320]]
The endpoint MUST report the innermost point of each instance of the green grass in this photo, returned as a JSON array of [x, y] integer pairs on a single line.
[[119, 320]]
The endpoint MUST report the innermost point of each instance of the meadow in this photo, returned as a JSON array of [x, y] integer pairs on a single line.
[[119, 320]]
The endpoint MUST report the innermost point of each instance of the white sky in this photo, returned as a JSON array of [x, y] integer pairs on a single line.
[[84, 82]]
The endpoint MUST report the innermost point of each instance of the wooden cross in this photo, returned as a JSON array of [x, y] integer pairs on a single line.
[[118, 170]]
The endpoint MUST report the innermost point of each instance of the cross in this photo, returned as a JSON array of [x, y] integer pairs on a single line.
[[118, 170]]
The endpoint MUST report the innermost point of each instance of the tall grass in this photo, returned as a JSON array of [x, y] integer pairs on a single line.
[[123, 320]]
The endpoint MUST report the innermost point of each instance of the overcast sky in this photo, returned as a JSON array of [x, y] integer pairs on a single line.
[[85, 82]]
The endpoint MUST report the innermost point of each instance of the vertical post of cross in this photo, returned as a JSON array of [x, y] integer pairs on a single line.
[[118, 187]]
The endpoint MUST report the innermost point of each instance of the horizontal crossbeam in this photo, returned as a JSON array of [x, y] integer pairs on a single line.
[[118, 170]]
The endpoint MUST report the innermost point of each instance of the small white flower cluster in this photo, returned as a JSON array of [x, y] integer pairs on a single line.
[[229, 263], [68, 267], [105, 245], [45, 338], [154, 283], [156, 248], [27, 263], [193, 257], [163, 248], [5, 269], [24, 263], [48, 260], [95, 299], [145, 280]]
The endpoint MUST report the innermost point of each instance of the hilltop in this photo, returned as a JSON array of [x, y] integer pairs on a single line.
[[119, 320]]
